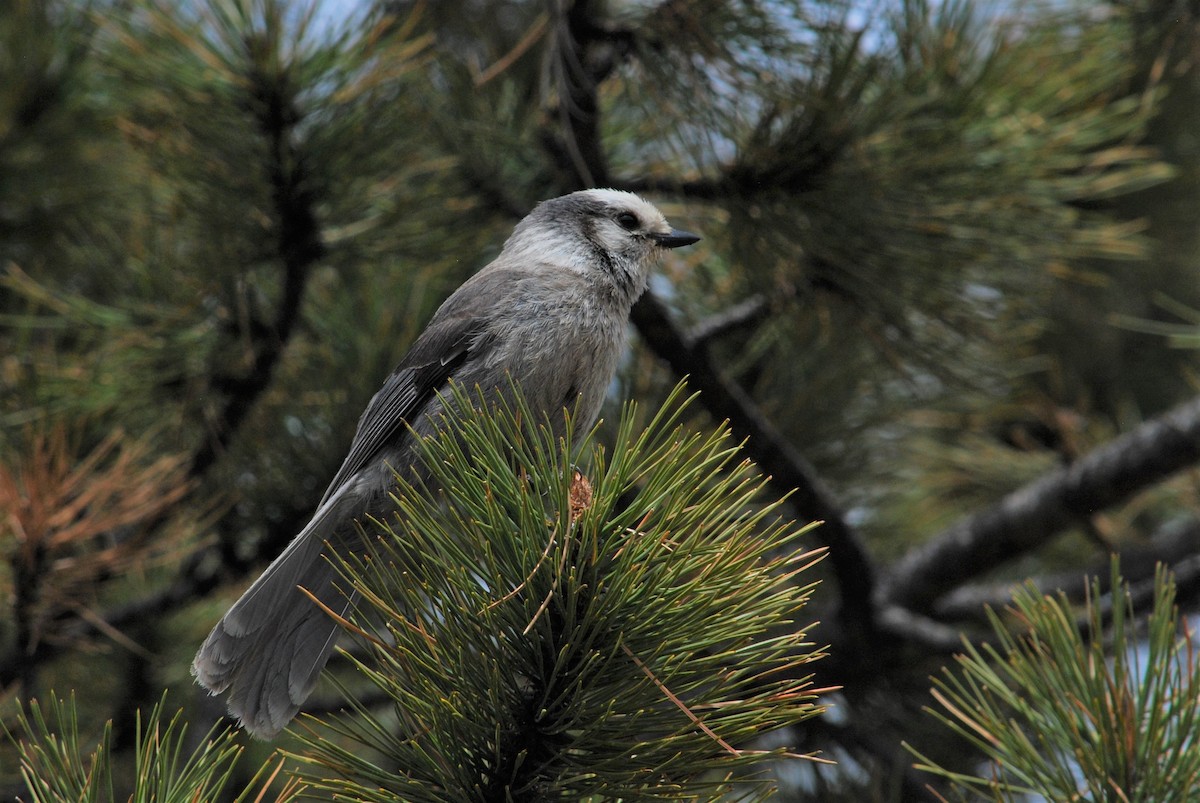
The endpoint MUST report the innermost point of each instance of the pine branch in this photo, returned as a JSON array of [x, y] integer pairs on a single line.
[[741, 315], [576, 71], [544, 635], [56, 764], [1062, 715], [1030, 516], [1173, 546], [298, 247], [79, 518], [770, 449]]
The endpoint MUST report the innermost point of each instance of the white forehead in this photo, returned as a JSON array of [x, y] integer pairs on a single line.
[[620, 199]]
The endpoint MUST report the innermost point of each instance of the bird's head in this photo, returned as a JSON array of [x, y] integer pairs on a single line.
[[616, 233]]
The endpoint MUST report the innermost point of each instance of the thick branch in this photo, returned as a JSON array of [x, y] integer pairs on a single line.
[[298, 246], [789, 470], [1030, 516], [579, 62], [740, 315], [1176, 542]]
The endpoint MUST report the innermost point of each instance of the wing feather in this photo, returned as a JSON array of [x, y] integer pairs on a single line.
[[457, 334]]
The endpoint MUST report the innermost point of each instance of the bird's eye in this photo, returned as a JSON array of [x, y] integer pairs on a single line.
[[627, 221]]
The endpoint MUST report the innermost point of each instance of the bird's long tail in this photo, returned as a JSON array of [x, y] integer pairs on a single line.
[[268, 651]]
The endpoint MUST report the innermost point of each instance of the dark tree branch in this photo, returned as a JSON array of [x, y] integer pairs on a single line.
[[1032, 515], [298, 247], [1176, 542], [745, 313], [580, 60], [912, 629], [790, 471]]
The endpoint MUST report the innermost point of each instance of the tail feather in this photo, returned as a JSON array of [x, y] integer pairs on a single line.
[[268, 651]]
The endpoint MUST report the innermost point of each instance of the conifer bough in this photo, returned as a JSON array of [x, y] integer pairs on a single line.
[[526, 635]]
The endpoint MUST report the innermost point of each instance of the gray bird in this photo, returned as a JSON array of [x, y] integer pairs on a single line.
[[551, 313]]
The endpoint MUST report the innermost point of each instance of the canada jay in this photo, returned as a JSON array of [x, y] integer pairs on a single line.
[[549, 315]]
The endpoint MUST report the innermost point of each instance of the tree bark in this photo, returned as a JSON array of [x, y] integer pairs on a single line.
[[1030, 516]]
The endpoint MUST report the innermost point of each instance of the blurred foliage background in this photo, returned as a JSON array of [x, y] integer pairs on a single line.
[[948, 290]]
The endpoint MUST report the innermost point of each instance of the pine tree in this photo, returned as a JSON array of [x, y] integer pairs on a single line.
[[944, 245]]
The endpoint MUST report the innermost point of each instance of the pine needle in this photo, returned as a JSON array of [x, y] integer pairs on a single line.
[[680, 704]]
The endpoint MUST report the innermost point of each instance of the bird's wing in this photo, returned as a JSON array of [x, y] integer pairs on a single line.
[[457, 334]]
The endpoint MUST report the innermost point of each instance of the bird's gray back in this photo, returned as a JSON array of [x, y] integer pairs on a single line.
[[539, 314]]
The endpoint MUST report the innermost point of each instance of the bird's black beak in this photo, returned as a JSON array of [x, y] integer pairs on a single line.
[[675, 238]]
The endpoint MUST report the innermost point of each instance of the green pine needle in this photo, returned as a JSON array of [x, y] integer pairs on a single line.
[[56, 767], [1065, 717], [631, 645]]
